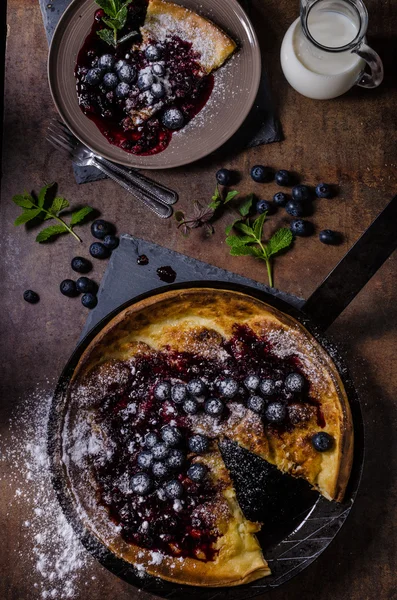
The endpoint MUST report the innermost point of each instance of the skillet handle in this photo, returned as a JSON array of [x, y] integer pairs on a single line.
[[355, 269]]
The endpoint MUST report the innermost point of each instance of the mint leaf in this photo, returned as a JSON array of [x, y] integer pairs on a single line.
[[230, 195], [179, 216], [57, 205], [109, 6], [49, 232], [239, 240], [245, 251], [244, 228], [43, 193], [107, 36], [23, 200], [258, 225], [27, 216], [246, 205], [281, 240], [216, 200], [80, 215], [230, 227]]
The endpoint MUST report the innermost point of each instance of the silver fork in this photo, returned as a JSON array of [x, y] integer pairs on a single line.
[[82, 156]]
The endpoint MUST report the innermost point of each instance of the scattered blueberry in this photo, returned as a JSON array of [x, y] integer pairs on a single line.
[[228, 388], [198, 443], [141, 484], [110, 81], [173, 489], [81, 265], [178, 393], [295, 208], [85, 285], [263, 206], [267, 387], [122, 90], [89, 300], [173, 118], [295, 383], [224, 177], [100, 229], [323, 190], [160, 451], [190, 406], [280, 199], [176, 458], [31, 297], [162, 391], [322, 441], [160, 469], [68, 288], [213, 407], [261, 174], [151, 439], [106, 62], [153, 53], [327, 236], [93, 76], [196, 387], [171, 435], [126, 73], [158, 90], [98, 250], [283, 177], [145, 459], [301, 228], [257, 404], [197, 472], [275, 412], [111, 241], [301, 193], [158, 69], [145, 81]]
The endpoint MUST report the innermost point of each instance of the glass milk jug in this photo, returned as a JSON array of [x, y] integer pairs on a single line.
[[324, 52]]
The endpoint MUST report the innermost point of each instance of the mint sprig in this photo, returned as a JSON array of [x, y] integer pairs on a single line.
[[204, 215], [116, 16], [49, 206]]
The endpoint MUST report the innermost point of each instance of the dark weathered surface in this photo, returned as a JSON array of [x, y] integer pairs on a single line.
[[350, 141]]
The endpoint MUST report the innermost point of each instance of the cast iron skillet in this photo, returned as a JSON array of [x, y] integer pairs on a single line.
[[306, 530]]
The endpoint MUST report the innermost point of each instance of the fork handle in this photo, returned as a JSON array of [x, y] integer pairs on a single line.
[[161, 210]]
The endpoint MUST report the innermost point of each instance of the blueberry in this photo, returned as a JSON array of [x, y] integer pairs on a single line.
[[295, 383], [280, 199], [68, 288], [252, 382], [98, 250], [198, 443], [81, 265], [173, 118], [89, 300], [158, 69], [160, 470], [158, 90], [178, 393], [110, 81], [171, 435], [257, 404], [196, 387], [267, 387], [263, 206], [31, 297], [301, 228], [173, 489], [141, 484], [120, 64], [261, 174], [214, 407], [162, 391], [176, 458], [151, 439], [322, 441], [323, 190], [275, 412], [145, 80], [197, 472], [145, 459], [93, 76], [283, 177], [228, 388], [160, 451], [327, 236], [84, 285], [122, 90], [190, 406], [100, 229], [294, 208], [301, 193], [224, 177], [153, 53], [126, 73], [111, 241], [106, 62]]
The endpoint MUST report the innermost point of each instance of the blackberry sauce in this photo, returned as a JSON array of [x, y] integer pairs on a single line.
[[166, 274], [142, 260]]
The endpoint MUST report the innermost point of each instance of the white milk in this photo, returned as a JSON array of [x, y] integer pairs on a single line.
[[317, 73]]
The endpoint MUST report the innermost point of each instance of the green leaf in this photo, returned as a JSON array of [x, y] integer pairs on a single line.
[[281, 240], [230, 227], [23, 200], [80, 215], [245, 251], [239, 240], [49, 232], [216, 200], [109, 6], [230, 195], [258, 225], [245, 207], [107, 36], [27, 216], [57, 205], [179, 216], [43, 193], [244, 228]]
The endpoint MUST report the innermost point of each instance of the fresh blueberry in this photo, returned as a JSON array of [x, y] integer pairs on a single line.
[[81, 265], [122, 90], [68, 288], [158, 89], [196, 387], [283, 177], [228, 388], [327, 236], [89, 300], [261, 174], [301, 228], [98, 250], [176, 458], [100, 229], [173, 489], [224, 177], [295, 383], [145, 80], [31, 297], [151, 439], [173, 118], [295, 208], [110, 81], [171, 435], [153, 53], [280, 199], [267, 387], [322, 441], [141, 484], [145, 459], [85, 285], [162, 391], [160, 469], [257, 404], [214, 407], [178, 393], [160, 451], [94, 76], [158, 69], [198, 443], [263, 206], [190, 406], [120, 64], [252, 382], [126, 73], [301, 193], [197, 472], [275, 412], [106, 62], [111, 241], [323, 190]]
